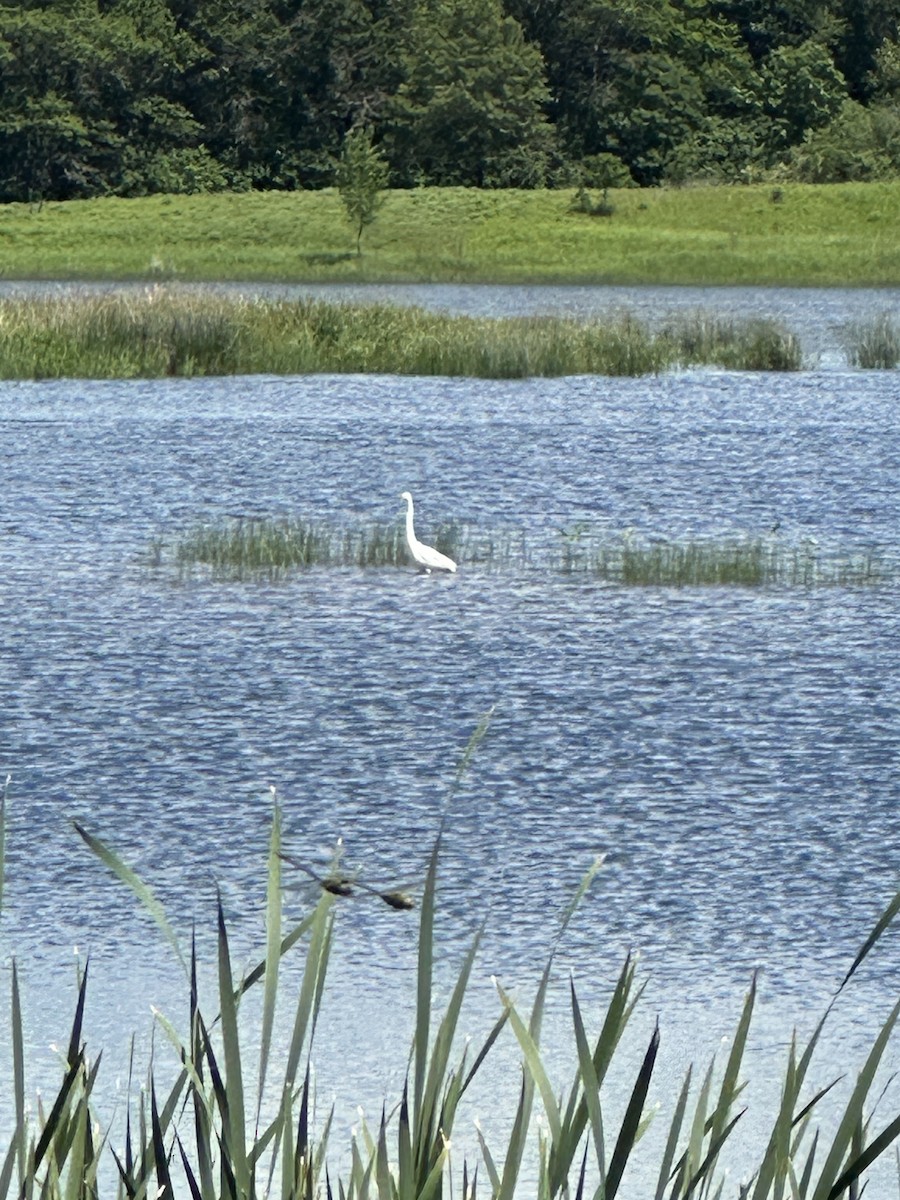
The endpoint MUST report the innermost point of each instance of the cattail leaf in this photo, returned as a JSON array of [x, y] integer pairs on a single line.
[[665, 1170], [535, 1065], [144, 893], [234, 1132], [273, 952], [631, 1121], [853, 1113], [880, 928], [591, 1088]]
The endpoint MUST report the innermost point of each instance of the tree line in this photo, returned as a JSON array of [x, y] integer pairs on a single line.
[[130, 97]]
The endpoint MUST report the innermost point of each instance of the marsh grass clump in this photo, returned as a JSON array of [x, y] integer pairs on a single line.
[[256, 544], [270, 546], [121, 334], [751, 562], [159, 331], [754, 344], [873, 344]]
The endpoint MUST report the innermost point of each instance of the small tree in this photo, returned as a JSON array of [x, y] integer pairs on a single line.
[[362, 174]]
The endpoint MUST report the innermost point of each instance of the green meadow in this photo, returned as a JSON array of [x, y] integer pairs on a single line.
[[792, 234]]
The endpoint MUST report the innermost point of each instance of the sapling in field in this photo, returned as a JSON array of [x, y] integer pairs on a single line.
[[362, 176]]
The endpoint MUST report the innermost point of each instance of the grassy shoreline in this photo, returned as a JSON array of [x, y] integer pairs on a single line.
[[169, 330], [793, 235]]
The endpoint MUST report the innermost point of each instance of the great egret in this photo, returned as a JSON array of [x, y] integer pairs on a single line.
[[426, 557]]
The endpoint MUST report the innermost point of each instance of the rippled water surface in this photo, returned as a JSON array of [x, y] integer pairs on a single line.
[[733, 752]]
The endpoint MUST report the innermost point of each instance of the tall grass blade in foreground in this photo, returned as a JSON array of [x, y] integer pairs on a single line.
[[143, 892], [408, 1154]]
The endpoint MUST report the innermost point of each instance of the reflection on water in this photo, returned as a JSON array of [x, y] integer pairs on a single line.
[[734, 753]]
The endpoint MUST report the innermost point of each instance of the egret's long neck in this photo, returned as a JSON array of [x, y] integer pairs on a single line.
[[410, 532]]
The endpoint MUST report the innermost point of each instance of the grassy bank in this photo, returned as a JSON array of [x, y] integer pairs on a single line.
[[842, 234]]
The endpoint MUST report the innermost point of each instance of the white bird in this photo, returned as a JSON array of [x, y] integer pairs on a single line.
[[424, 556]]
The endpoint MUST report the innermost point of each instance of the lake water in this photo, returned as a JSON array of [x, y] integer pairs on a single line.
[[733, 752]]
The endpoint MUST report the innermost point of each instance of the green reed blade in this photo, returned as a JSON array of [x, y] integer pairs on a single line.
[[591, 1086], [490, 1165], [806, 1177], [579, 1191], [131, 879], [691, 1157], [406, 1175], [187, 1060], [160, 1158], [729, 1089], [533, 1062], [290, 1160], [433, 1180], [383, 1179], [9, 1165], [515, 1148], [424, 970], [865, 1159], [438, 1063], [322, 1148], [880, 927], [301, 1146], [270, 1136], [287, 943], [76, 1158], [18, 1048], [854, 1111], [665, 1170], [196, 1192], [712, 1154], [56, 1120], [628, 1132], [475, 740], [314, 972], [483, 1052], [273, 951], [618, 1014], [235, 1133]]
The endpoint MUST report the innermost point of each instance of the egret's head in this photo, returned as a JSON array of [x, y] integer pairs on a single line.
[[406, 496]]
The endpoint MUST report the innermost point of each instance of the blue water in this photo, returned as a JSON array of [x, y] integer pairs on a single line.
[[732, 752]]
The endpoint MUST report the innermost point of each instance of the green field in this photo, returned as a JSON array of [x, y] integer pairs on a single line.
[[824, 235]]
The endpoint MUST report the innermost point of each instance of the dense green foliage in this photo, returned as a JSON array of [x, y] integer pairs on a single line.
[[130, 97]]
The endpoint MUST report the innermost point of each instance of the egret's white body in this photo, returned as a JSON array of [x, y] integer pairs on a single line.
[[424, 556]]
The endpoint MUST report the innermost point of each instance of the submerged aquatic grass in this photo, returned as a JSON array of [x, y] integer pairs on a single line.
[[161, 331], [270, 547], [739, 562]]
